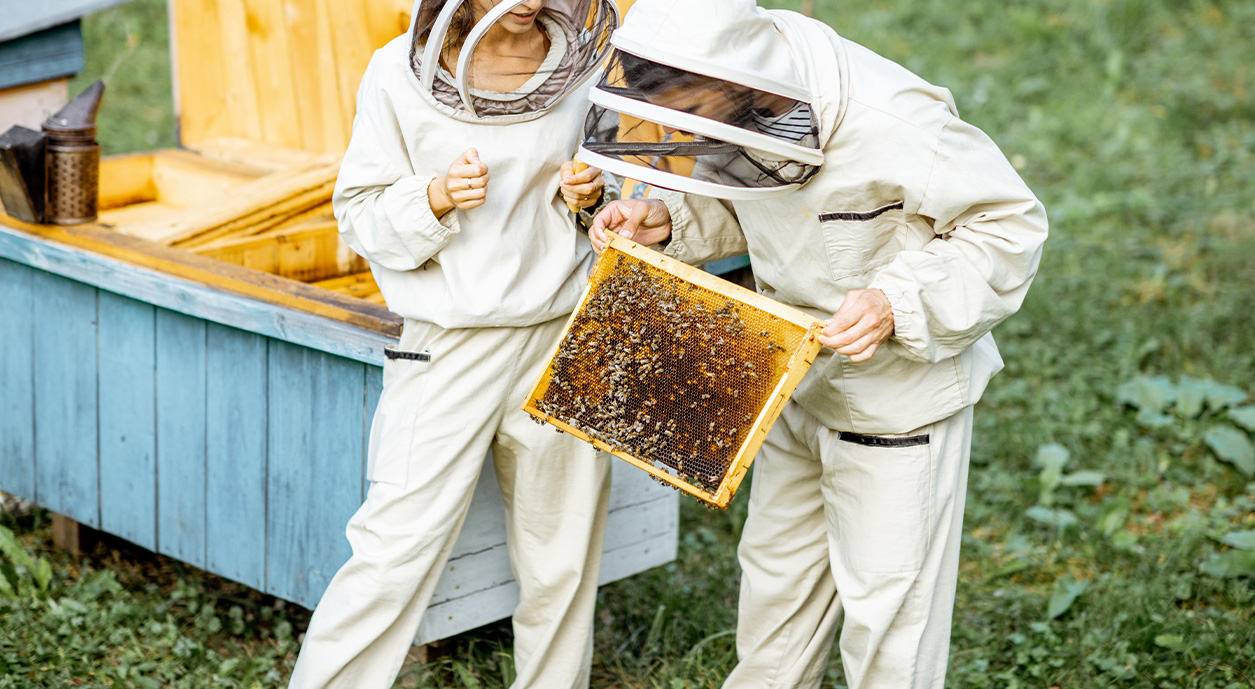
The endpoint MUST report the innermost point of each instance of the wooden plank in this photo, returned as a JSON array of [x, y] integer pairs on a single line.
[[128, 419], [352, 45], [136, 214], [309, 61], [71, 536], [254, 206], [267, 36], [204, 288], [314, 479], [126, 180], [259, 153], [309, 252], [478, 587], [181, 436], [184, 179], [357, 285], [52, 53], [17, 379], [201, 75], [66, 470], [240, 89], [235, 455]]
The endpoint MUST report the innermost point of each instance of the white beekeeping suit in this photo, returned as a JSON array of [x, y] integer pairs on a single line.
[[837, 171], [484, 292]]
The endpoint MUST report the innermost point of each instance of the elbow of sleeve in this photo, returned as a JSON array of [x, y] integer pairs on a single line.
[[394, 227]]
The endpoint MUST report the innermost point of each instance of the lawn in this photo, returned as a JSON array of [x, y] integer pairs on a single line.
[[1110, 527]]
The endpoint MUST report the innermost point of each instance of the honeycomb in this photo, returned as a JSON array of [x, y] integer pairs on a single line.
[[671, 373]]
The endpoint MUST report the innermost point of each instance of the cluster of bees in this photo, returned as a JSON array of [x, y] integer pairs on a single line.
[[654, 369]]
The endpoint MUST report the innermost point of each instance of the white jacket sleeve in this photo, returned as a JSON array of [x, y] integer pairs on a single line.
[[990, 230], [380, 204], [703, 229]]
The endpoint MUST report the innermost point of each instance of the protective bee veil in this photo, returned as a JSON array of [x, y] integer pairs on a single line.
[[445, 54], [665, 114]]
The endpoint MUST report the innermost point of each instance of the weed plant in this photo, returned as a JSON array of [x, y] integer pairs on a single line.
[[1110, 528]]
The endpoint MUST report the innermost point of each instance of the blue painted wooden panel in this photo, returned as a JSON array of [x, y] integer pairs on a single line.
[[17, 379], [66, 470], [181, 390], [128, 419], [52, 53], [235, 455], [315, 470], [374, 387]]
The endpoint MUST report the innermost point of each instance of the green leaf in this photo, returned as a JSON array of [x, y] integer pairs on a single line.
[[1191, 397], [1063, 594], [1231, 563], [468, 679], [1083, 478], [1147, 394], [43, 574], [1244, 417], [1051, 458], [1232, 446], [1220, 396], [1242, 540], [1114, 515], [1056, 518], [1172, 642]]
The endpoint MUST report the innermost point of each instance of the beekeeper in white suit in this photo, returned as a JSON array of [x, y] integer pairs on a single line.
[[860, 197], [455, 186]]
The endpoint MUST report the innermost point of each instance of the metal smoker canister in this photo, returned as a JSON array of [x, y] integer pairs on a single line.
[[73, 162]]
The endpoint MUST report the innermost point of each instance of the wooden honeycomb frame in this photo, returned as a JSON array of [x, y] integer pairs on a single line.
[[799, 359]]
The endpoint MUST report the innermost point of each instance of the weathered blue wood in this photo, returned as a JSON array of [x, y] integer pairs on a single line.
[[20, 18], [17, 380], [194, 298], [52, 53], [66, 469], [374, 387], [315, 476], [181, 391], [235, 449], [128, 419]]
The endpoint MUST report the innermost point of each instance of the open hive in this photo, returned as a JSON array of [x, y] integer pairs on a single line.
[[674, 370]]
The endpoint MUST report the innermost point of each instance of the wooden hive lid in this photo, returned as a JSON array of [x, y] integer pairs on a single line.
[[280, 72]]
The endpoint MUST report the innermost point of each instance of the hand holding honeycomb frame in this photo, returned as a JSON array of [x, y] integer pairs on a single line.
[[674, 370]]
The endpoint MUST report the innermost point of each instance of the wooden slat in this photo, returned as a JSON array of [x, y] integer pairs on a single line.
[[240, 89], [235, 455], [128, 423], [181, 390], [252, 207], [315, 407], [205, 288], [267, 36], [184, 179], [201, 73], [259, 153], [352, 46], [17, 379], [312, 73], [137, 214], [126, 180], [66, 471], [357, 285], [309, 252]]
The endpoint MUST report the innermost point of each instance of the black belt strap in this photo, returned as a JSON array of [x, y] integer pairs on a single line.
[[881, 440]]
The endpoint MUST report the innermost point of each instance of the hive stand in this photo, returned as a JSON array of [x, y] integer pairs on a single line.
[[197, 371]]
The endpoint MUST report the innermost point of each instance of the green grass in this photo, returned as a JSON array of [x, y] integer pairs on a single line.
[[1108, 478]]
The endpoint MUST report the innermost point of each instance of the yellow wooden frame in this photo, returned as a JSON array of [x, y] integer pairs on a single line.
[[795, 368]]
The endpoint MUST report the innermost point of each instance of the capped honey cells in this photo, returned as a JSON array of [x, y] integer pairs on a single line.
[[669, 372]]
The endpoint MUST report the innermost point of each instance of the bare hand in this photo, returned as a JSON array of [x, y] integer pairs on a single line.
[[581, 188], [464, 188], [863, 322], [643, 221]]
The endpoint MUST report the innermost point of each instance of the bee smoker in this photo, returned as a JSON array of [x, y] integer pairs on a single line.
[[22, 178], [73, 159]]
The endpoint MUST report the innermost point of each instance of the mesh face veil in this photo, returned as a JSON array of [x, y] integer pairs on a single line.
[[697, 134], [576, 36]]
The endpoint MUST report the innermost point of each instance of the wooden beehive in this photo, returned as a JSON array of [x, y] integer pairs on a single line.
[[197, 371], [674, 370]]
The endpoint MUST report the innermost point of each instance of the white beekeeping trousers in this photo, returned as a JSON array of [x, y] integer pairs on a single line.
[[435, 422], [865, 528]]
